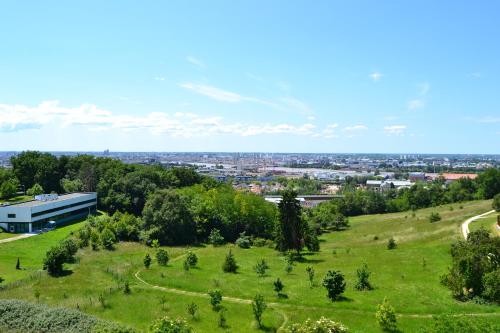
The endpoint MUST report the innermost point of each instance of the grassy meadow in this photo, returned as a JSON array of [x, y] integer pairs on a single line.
[[408, 276]]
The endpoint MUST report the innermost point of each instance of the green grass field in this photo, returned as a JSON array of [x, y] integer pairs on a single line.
[[5, 235], [488, 223], [412, 287]]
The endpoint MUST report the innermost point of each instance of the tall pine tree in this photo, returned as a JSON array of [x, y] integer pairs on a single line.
[[290, 229]]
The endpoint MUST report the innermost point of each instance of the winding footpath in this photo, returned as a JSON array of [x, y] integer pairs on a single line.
[[11, 239], [465, 225]]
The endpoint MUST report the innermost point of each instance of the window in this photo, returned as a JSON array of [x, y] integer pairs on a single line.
[[11, 216]]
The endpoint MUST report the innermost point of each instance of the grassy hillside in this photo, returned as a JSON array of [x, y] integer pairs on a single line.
[[412, 287]]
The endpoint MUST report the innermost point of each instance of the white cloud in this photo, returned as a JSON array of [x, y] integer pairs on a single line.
[[376, 76], [415, 104], [355, 128], [328, 132], [195, 61], [311, 118], [179, 124], [395, 129]]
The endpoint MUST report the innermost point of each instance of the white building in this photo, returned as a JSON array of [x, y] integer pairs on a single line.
[[30, 216]]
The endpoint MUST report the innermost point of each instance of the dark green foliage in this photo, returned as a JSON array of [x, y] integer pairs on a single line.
[[391, 244], [363, 282], [488, 183], [8, 189], [290, 228], [185, 265], [18, 264], [278, 286], [107, 238], [261, 267], [32, 167], [466, 324], [26, 317], [147, 261], [191, 259], [1, 280], [215, 238], [192, 309], [58, 255], [162, 257], [244, 241], [126, 287], [434, 217], [335, 284], [475, 265], [37, 189], [230, 265], [496, 202], [94, 240], [221, 319], [215, 299], [258, 307]]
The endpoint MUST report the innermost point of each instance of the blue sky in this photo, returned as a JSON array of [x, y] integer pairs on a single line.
[[278, 76]]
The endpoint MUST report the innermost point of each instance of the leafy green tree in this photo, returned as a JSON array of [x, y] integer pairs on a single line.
[[32, 167], [215, 299], [54, 260], [8, 189], [191, 259], [391, 244], [147, 261], [192, 309], [94, 240], [168, 325], [491, 286], [162, 257], [386, 317], [261, 267], [290, 228], [335, 284], [230, 265], [107, 238], [70, 186], [258, 306], [488, 183], [363, 282], [310, 275], [35, 190]]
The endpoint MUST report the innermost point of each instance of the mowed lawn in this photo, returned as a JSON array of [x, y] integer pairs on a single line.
[[408, 276]]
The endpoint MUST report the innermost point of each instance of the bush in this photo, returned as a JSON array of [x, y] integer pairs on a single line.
[[54, 260], [230, 265], [94, 240], [491, 285], [167, 325], [192, 309], [434, 217], [244, 241], [391, 244], [215, 238], [215, 299], [258, 307], [191, 259], [261, 267], [335, 284], [147, 261], [386, 317], [107, 238], [496, 202], [322, 325], [363, 276], [162, 257]]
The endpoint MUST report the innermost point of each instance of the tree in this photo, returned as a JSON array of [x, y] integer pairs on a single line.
[[491, 286], [363, 275], [215, 299], [310, 275], [258, 307], [192, 309], [289, 231], [191, 259], [54, 260], [8, 189], [162, 257], [215, 238], [32, 167], [261, 267], [147, 261], [37, 189], [107, 238], [496, 202], [322, 325], [386, 317], [167, 325], [334, 284], [278, 286], [489, 183], [230, 265], [391, 244], [18, 264], [434, 217]]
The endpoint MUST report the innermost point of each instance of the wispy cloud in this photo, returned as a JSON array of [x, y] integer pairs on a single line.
[[476, 75], [195, 61], [421, 101], [355, 128], [213, 92], [376, 76], [395, 129]]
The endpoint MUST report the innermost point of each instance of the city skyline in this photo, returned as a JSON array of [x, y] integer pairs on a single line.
[[255, 77]]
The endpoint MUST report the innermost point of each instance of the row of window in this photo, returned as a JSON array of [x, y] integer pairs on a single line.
[[62, 207]]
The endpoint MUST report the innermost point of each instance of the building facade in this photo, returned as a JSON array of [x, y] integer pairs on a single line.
[[34, 215]]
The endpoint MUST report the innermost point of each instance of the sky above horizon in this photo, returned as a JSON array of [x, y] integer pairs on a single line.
[[270, 76]]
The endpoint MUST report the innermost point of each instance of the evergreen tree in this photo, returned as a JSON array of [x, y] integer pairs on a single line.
[[230, 265], [290, 228]]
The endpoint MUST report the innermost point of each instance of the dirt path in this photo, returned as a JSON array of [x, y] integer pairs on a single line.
[[11, 239], [465, 225]]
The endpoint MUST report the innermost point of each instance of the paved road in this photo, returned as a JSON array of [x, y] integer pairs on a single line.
[[465, 225], [11, 239]]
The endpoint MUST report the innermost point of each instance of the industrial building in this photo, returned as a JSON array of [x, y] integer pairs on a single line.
[[45, 210]]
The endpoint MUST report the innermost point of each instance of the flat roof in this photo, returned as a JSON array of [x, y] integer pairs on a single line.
[[62, 197]]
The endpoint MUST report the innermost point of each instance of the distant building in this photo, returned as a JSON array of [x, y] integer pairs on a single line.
[[456, 176], [383, 185], [34, 215], [416, 176]]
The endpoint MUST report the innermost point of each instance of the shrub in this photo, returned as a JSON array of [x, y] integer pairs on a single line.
[[278, 286], [230, 265], [147, 261], [191, 259], [126, 288], [310, 275], [335, 284], [496, 202], [54, 260], [107, 238], [215, 299], [386, 317], [491, 285], [391, 244], [261, 267], [363, 275], [322, 325], [434, 217], [70, 247], [94, 240], [162, 257], [192, 309], [244, 241], [215, 238], [258, 307], [167, 325]]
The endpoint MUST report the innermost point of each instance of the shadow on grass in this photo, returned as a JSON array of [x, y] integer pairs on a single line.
[[65, 272]]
